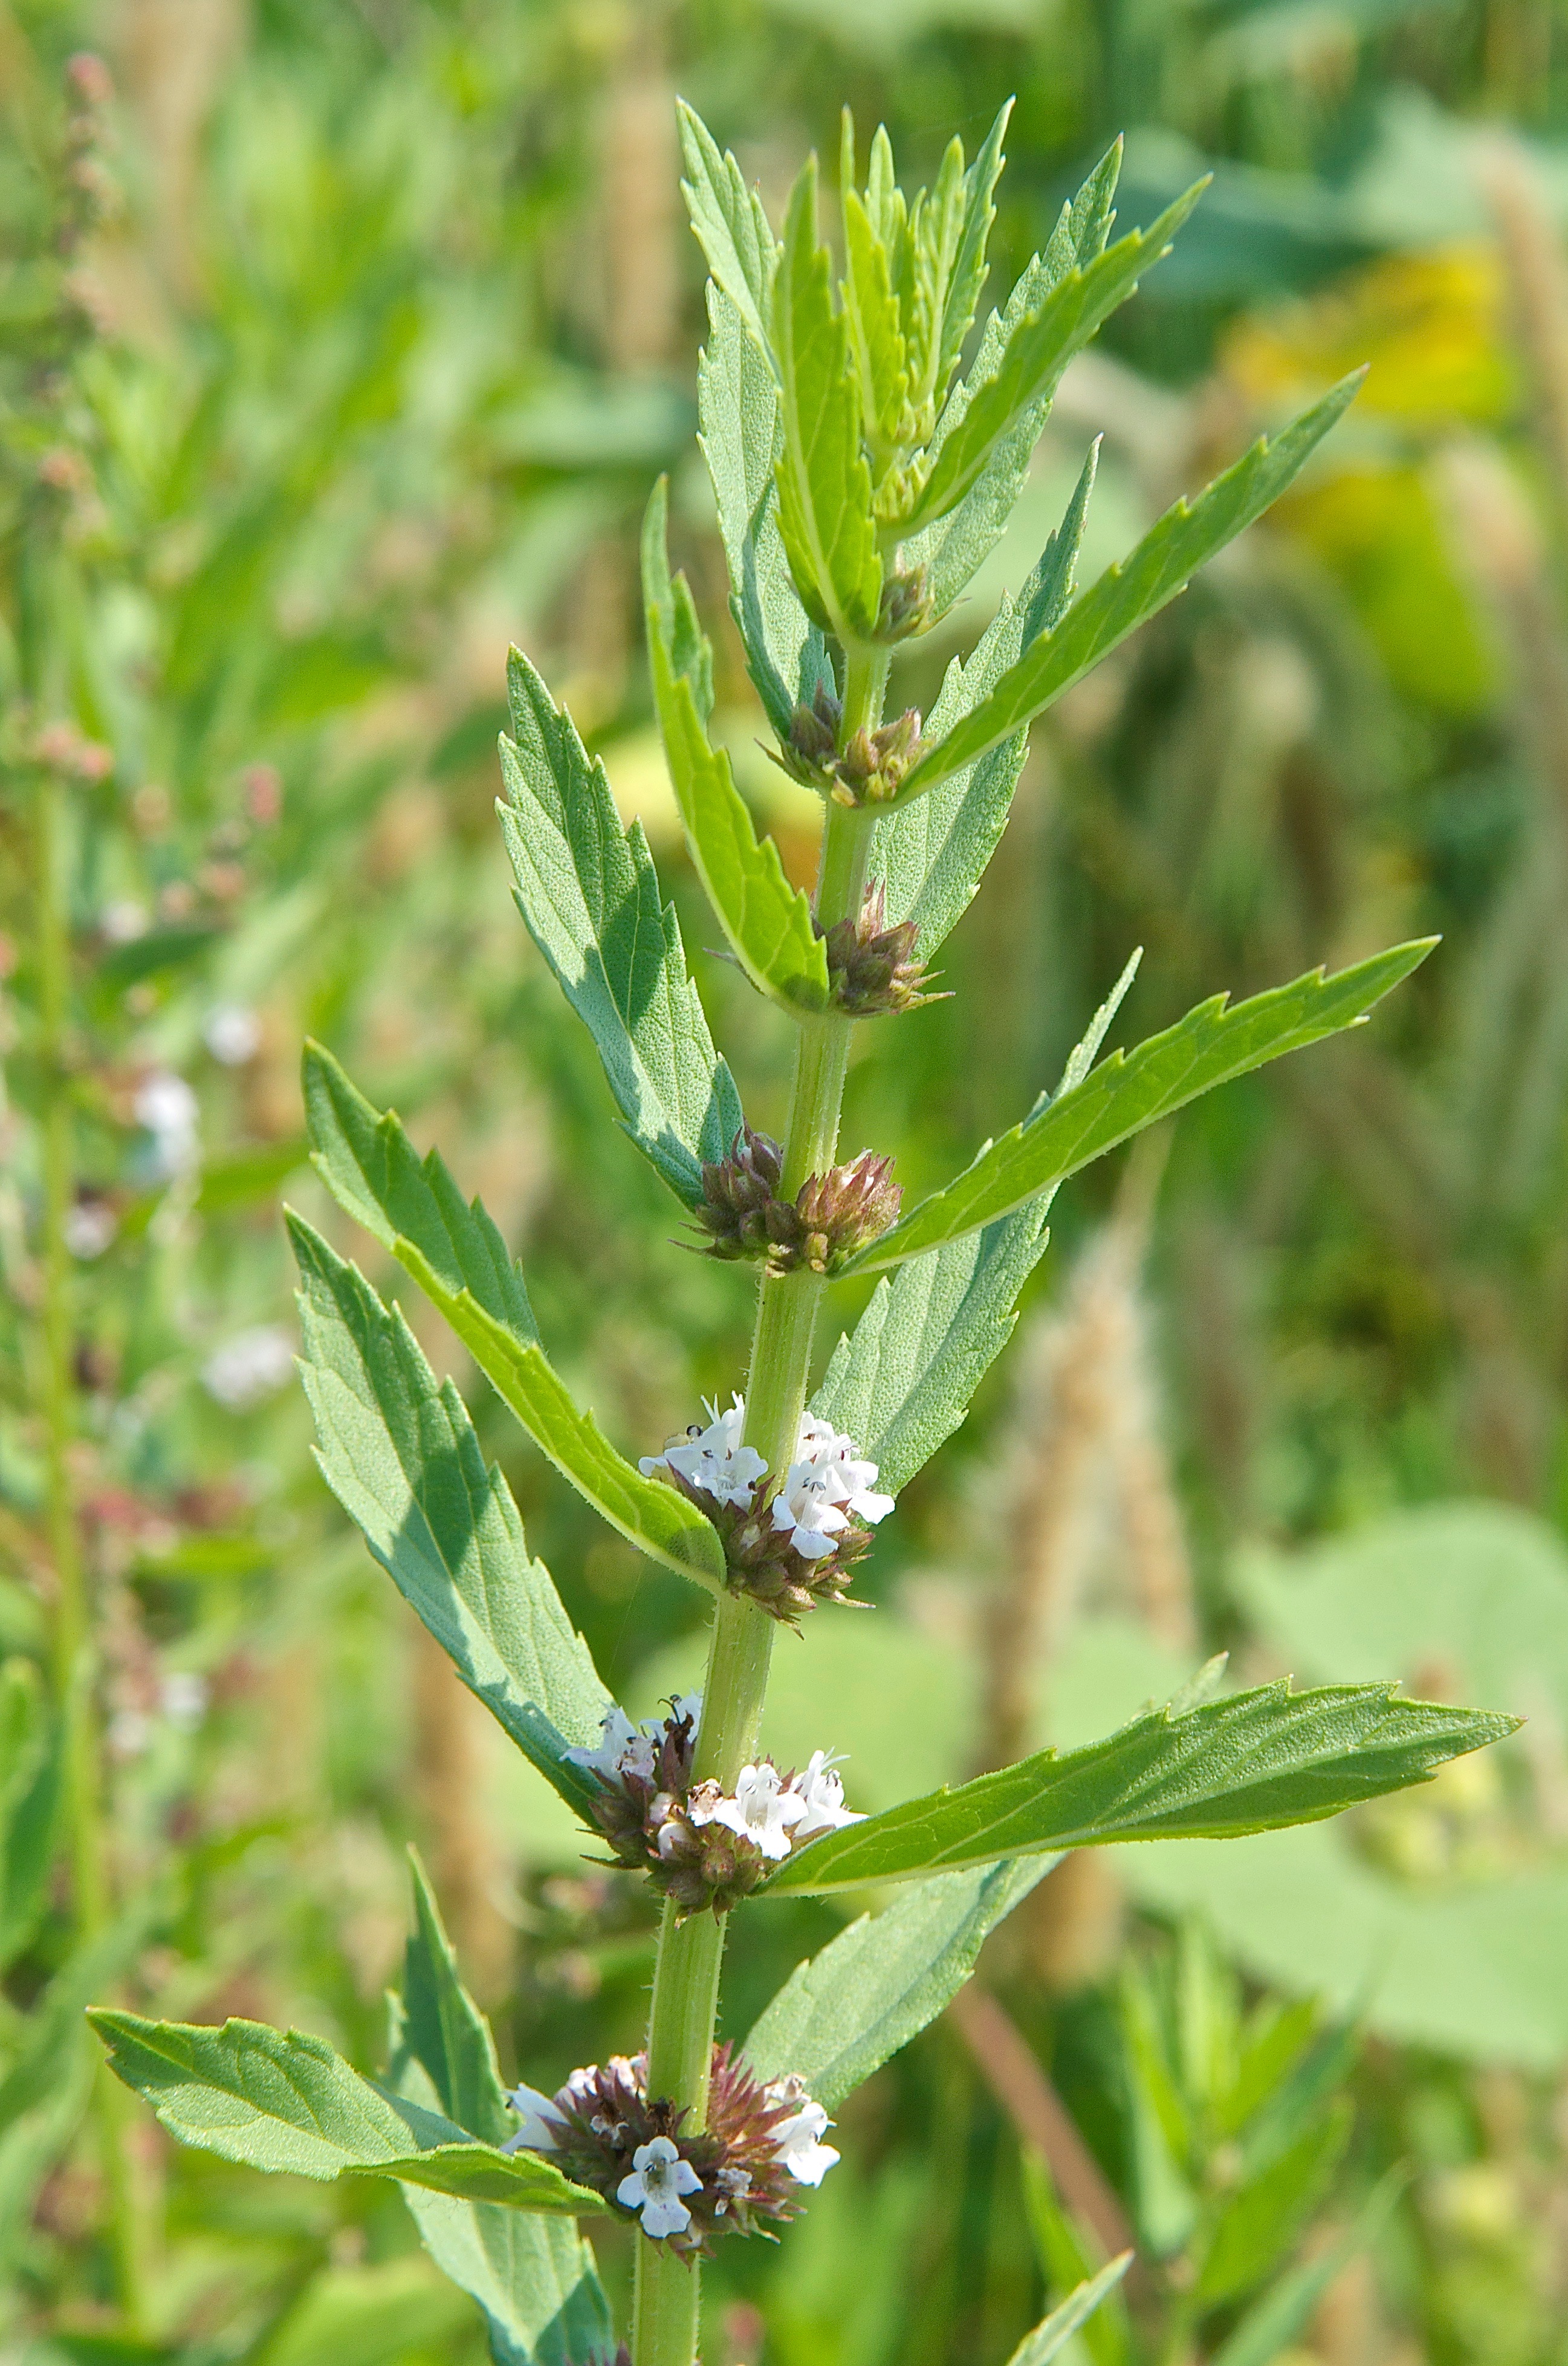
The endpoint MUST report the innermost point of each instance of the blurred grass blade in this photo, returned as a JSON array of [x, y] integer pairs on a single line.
[[738, 404], [1048, 2340], [767, 923], [902, 1383], [590, 895], [931, 854], [31, 1774], [1273, 2322], [1254, 1763], [1214, 1044], [849, 2009], [287, 2103], [371, 1168], [399, 1452], [1030, 365], [1135, 588], [824, 483], [732, 227]]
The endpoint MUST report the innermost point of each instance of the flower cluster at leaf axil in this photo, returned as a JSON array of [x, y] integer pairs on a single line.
[[831, 1217], [790, 1543], [701, 1845], [761, 2144]]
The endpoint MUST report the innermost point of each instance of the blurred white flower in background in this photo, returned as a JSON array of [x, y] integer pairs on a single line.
[[168, 1109], [231, 1033], [121, 923], [252, 1365]]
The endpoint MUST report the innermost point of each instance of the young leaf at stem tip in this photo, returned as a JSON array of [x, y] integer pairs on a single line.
[[825, 513], [1254, 1763], [1131, 1090], [1134, 589], [767, 922], [288, 2104], [731, 225]]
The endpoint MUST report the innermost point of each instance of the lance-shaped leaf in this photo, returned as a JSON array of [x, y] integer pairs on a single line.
[[841, 2016], [373, 1170], [288, 2104], [1250, 1764], [767, 922], [903, 1383], [961, 294], [1030, 365], [738, 408], [1131, 1090], [824, 483], [876, 335], [399, 1451], [1134, 589], [1048, 2340], [590, 895], [534, 2277], [952, 548], [730, 223], [655, 1518], [930, 855]]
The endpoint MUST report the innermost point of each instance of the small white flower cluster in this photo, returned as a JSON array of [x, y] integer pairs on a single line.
[[627, 1749], [826, 1484], [232, 1032], [769, 1811]]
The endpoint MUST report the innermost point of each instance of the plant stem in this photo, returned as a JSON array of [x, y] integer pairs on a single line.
[[71, 1649], [685, 1983]]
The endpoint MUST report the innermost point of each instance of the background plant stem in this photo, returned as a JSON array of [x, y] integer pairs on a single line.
[[686, 1985]]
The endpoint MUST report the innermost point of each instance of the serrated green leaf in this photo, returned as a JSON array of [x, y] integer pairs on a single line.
[[1048, 2340], [936, 232], [902, 1384], [399, 1452], [825, 513], [932, 855], [850, 2008], [767, 923], [590, 896], [731, 226], [876, 337], [951, 548], [1134, 589], [1030, 365], [653, 1518], [1251, 1764], [372, 1169], [442, 2029], [741, 438], [1273, 2322], [1131, 1090], [962, 295], [287, 2103], [534, 2277], [1261, 2223]]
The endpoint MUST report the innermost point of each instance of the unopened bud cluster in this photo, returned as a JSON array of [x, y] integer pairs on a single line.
[[871, 967], [831, 1217], [700, 1845], [871, 766], [761, 2144], [791, 1543]]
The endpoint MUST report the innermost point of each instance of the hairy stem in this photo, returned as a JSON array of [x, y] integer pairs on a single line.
[[70, 1642], [686, 1985]]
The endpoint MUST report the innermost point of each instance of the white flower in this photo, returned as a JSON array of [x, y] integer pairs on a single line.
[[122, 922], [541, 2122], [659, 2179], [617, 1733], [823, 1793], [166, 1106], [825, 1486], [761, 1809], [183, 1696], [713, 1459], [797, 2143], [90, 1226], [251, 1366], [231, 1033], [829, 1448]]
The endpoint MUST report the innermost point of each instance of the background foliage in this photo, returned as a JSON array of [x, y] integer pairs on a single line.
[[385, 323]]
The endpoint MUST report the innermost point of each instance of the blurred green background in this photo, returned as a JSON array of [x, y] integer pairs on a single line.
[[340, 343]]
